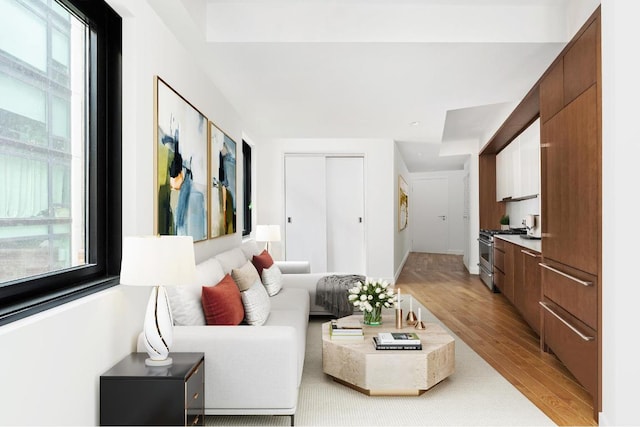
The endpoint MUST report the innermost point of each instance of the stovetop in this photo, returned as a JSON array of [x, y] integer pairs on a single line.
[[509, 231]]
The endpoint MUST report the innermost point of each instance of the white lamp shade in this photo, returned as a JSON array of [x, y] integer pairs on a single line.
[[158, 261], [268, 233]]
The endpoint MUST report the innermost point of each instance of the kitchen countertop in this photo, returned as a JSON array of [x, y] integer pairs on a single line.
[[534, 245]]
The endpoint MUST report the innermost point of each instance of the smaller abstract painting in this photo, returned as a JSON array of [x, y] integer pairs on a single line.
[[223, 182], [403, 203]]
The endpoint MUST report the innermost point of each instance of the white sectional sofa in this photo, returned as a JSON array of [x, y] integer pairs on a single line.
[[249, 369]]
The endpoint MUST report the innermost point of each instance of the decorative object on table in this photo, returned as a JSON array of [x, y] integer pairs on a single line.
[[222, 182], [398, 311], [411, 316], [419, 324], [158, 261], [181, 165], [268, 233], [403, 203], [370, 297], [504, 222]]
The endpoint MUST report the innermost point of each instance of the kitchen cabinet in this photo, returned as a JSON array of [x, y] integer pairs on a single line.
[[518, 166], [530, 289], [581, 63], [571, 185], [552, 91]]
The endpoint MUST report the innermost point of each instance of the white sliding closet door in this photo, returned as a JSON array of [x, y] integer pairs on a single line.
[[345, 214], [324, 200], [306, 219]]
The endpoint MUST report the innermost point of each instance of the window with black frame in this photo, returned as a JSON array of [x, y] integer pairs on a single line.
[[60, 144], [247, 200]]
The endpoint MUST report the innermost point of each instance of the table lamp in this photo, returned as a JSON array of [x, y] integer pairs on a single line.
[[158, 261], [268, 233]]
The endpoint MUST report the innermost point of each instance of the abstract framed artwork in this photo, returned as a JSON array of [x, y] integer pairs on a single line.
[[403, 203], [222, 182], [181, 168]]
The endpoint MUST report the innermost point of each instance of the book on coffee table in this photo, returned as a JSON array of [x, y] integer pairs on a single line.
[[399, 338], [339, 329], [380, 346]]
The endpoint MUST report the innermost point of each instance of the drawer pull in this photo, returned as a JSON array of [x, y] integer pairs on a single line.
[[567, 324], [195, 396], [568, 276], [196, 421], [529, 253]]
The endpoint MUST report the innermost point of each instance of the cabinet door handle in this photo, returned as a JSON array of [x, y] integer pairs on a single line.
[[196, 421], [195, 396], [529, 253], [568, 276], [567, 324]]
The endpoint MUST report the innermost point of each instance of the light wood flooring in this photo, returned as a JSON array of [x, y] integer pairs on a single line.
[[492, 327]]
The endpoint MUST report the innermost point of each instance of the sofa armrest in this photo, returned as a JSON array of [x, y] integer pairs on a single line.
[[246, 367], [291, 267]]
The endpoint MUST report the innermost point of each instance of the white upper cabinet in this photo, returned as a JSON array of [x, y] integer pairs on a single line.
[[518, 166]]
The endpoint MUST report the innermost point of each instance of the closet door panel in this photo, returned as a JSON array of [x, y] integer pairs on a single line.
[[345, 214], [305, 221]]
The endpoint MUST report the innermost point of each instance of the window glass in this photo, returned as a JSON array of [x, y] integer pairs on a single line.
[[43, 225]]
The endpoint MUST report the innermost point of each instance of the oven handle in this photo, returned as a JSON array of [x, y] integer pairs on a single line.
[[485, 271], [484, 242]]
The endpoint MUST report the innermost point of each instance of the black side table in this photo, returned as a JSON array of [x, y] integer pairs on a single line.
[[132, 393]]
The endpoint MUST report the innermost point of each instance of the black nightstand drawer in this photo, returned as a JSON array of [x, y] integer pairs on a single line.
[[132, 393]]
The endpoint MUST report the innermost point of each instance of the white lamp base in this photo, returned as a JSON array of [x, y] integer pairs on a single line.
[[158, 328], [166, 362]]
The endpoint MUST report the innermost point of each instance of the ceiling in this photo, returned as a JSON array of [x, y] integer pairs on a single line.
[[436, 76]]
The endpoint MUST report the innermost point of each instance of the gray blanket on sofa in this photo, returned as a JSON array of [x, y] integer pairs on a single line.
[[331, 293]]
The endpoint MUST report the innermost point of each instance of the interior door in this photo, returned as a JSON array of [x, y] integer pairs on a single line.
[[465, 220], [430, 201], [345, 214], [305, 210]]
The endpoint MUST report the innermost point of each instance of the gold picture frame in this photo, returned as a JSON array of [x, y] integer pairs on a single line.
[[403, 203], [181, 165]]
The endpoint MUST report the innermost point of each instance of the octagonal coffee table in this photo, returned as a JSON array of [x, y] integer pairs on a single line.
[[357, 364]]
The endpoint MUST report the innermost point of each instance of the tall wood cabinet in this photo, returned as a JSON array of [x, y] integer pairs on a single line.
[[570, 109]]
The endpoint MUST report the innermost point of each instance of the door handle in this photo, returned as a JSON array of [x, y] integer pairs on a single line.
[[360, 219], [444, 217], [289, 219]]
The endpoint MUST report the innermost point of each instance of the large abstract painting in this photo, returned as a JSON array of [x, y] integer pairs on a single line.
[[181, 165], [403, 203], [223, 183]]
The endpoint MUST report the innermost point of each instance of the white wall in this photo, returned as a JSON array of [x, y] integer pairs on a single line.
[[620, 175], [50, 363], [455, 221], [517, 211], [472, 167], [379, 191], [401, 239]]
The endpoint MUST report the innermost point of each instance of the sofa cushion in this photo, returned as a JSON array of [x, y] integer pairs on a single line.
[[256, 304], [292, 299], [250, 248], [272, 279], [209, 272], [245, 276], [231, 259], [222, 303], [262, 261], [186, 305]]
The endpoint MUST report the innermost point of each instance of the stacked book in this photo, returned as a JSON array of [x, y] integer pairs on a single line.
[[346, 330], [397, 341]]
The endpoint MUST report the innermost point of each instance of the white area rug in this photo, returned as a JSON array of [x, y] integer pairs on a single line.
[[475, 395]]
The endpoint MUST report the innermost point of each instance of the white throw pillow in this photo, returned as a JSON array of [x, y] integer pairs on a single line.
[[186, 305], [256, 304], [245, 276], [186, 301], [272, 279]]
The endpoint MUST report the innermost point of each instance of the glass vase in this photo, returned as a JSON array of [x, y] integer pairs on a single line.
[[374, 317]]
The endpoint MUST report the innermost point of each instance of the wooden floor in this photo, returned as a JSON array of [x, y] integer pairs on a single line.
[[492, 327]]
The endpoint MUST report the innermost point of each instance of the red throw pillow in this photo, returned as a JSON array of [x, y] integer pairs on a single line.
[[222, 303], [262, 261]]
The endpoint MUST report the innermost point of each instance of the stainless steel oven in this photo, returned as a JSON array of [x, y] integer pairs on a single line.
[[485, 246]]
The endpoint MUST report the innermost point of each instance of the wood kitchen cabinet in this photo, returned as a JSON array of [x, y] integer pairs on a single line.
[[552, 91], [531, 289]]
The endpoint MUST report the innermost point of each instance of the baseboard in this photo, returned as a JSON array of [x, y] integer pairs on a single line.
[[455, 252], [399, 270]]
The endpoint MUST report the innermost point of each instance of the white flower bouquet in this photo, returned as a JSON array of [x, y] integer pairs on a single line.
[[370, 297]]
